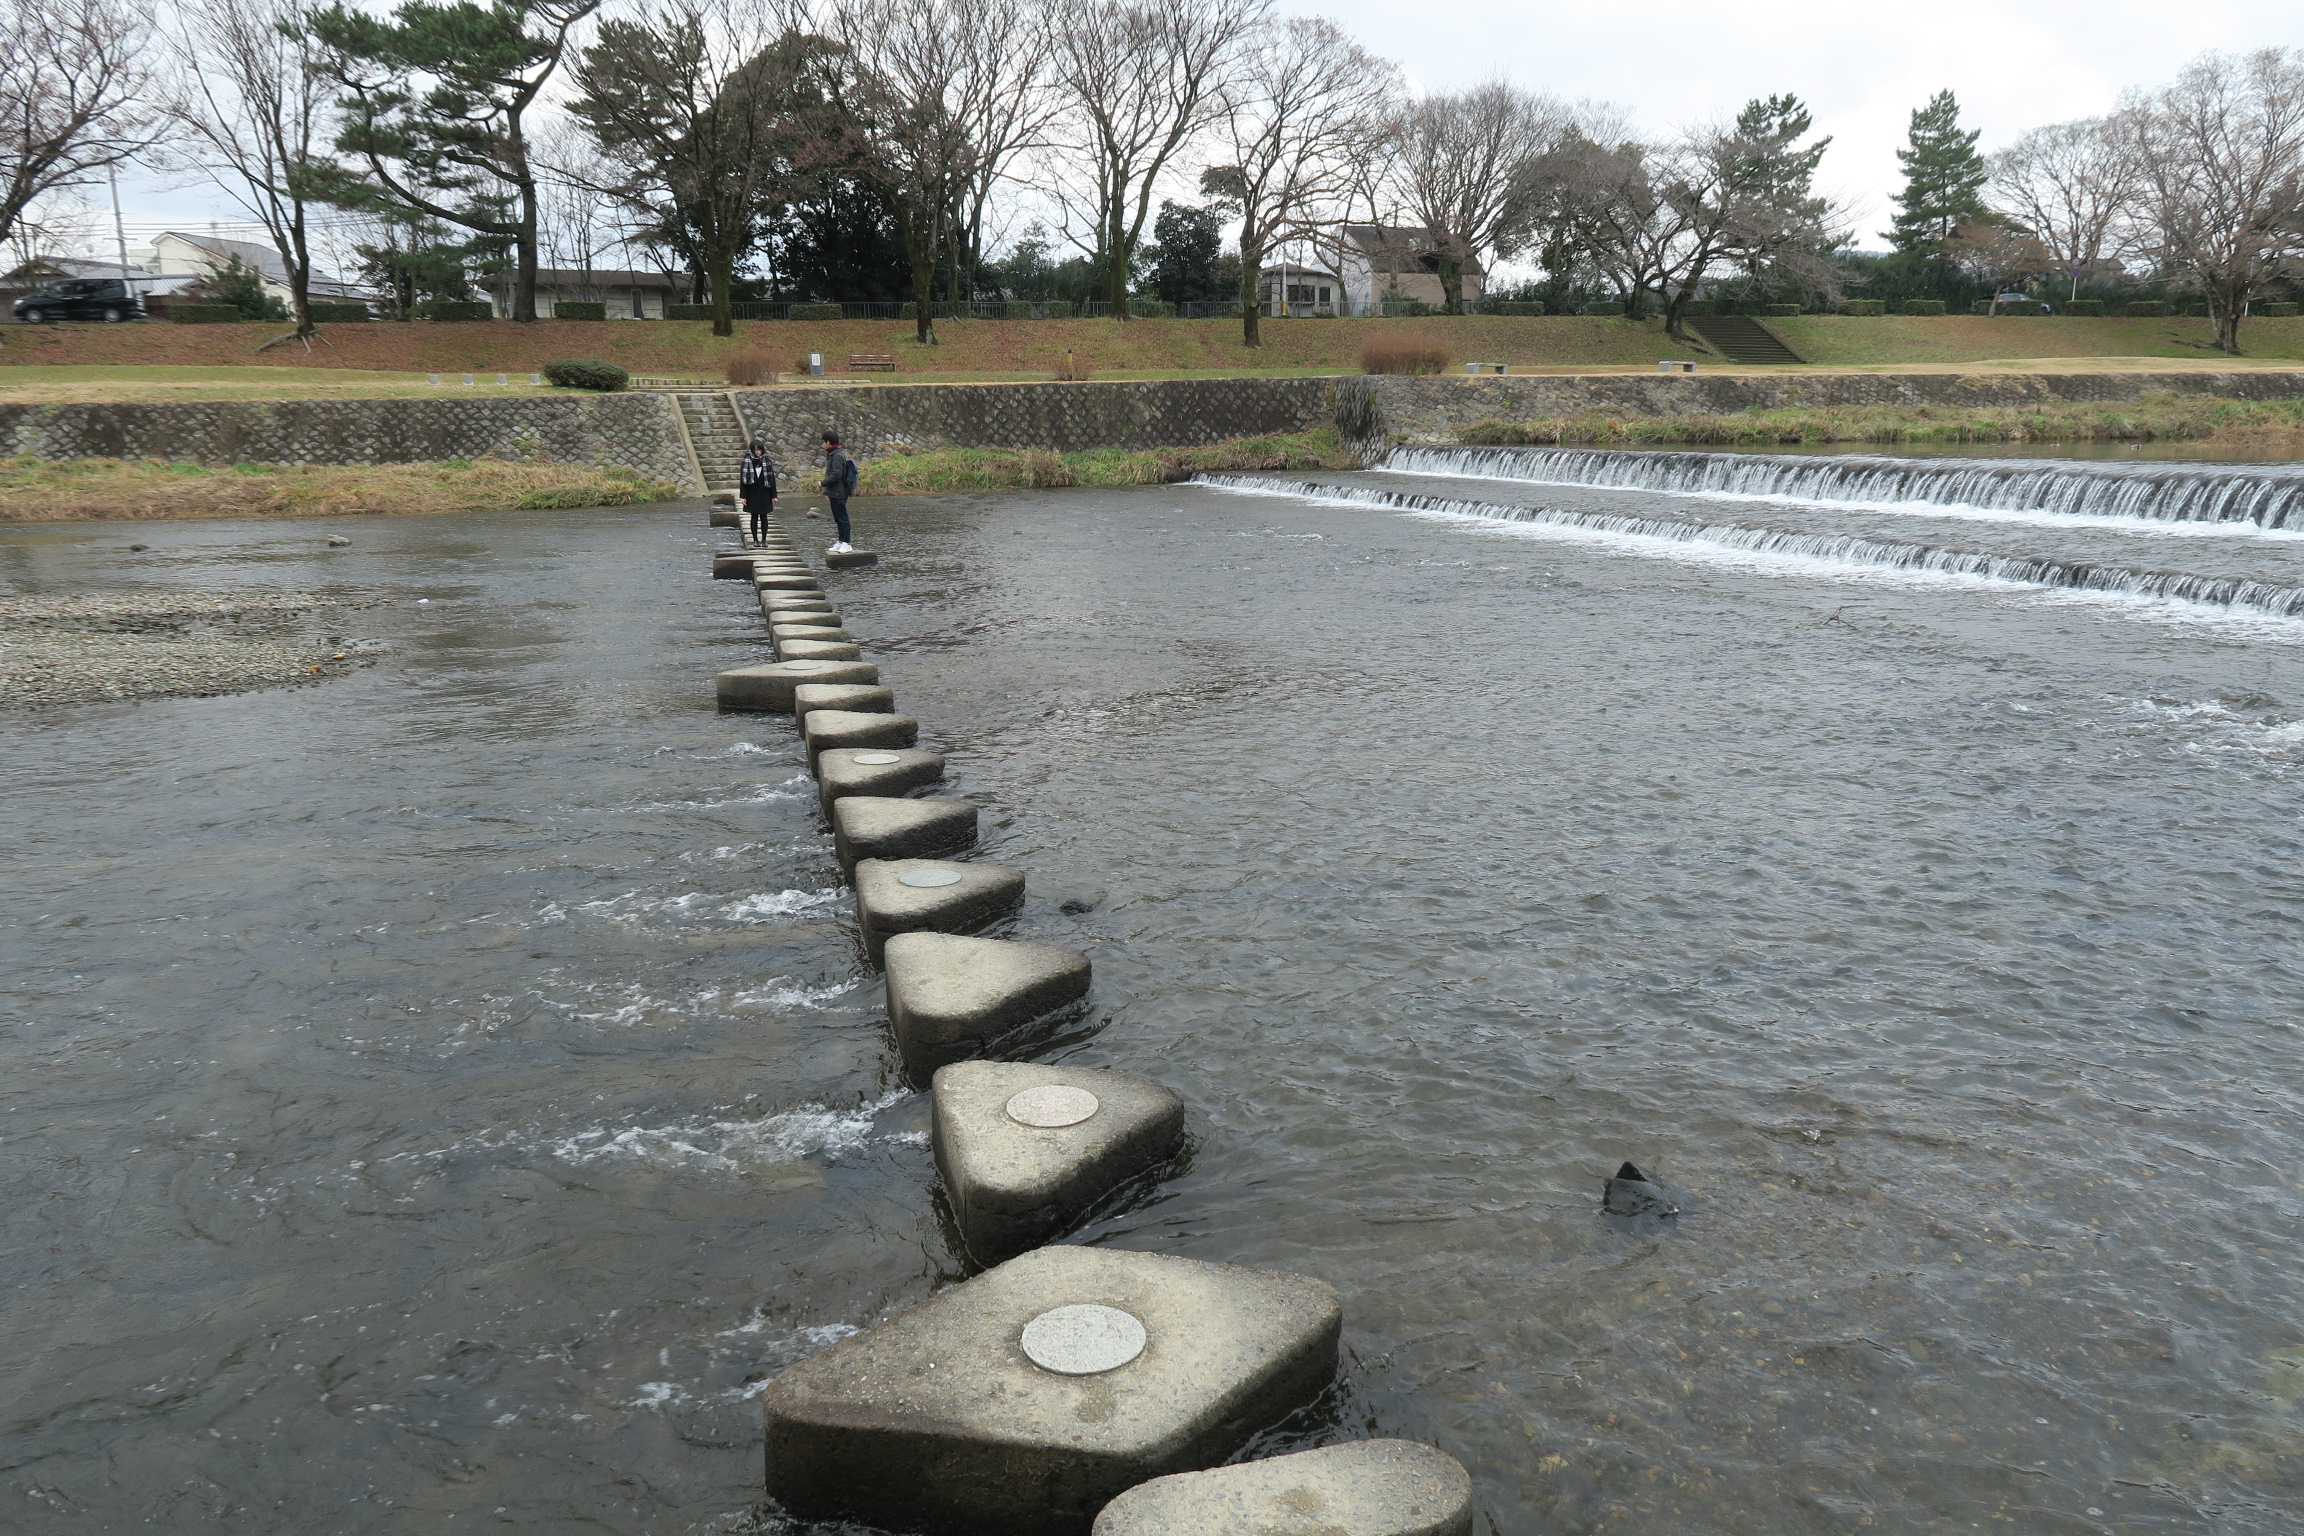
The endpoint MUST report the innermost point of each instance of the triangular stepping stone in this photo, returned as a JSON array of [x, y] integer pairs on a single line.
[[785, 618], [803, 634], [1367, 1488], [948, 994], [872, 771], [1026, 1399], [882, 827], [770, 687], [930, 895], [851, 557], [793, 602], [1026, 1150], [783, 583], [809, 697], [825, 728], [818, 650]]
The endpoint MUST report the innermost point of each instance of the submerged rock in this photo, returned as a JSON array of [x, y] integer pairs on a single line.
[[1633, 1193]]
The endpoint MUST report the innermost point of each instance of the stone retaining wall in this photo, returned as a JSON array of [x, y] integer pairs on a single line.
[[1432, 410], [638, 431]]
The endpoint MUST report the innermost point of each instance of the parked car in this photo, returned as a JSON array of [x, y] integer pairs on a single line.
[[81, 298]]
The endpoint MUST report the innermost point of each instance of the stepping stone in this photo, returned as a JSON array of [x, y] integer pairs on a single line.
[[852, 557], [877, 827], [795, 603], [914, 895], [809, 697], [731, 565], [824, 626], [823, 728], [788, 638], [724, 498], [819, 650], [872, 771], [1018, 1402], [1027, 1150], [786, 583], [770, 687], [1367, 1488], [948, 994], [723, 517]]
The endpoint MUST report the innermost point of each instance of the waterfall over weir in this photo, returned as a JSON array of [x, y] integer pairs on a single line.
[[2253, 597], [2185, 493]]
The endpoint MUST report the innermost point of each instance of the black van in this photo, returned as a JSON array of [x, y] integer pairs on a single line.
[[81, 298]]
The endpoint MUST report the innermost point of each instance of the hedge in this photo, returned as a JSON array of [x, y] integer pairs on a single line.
[[1865, 307], [457, 309], [687, 311], [1780, 311], [1923, 306], [204, 314], [1519, 307], [1018, 309], [2279, 311], [580, 309], [338, 314], [2147, 309], [587, 373], [1604, 309], [2087, 307], [2010, 307], [816, 312]]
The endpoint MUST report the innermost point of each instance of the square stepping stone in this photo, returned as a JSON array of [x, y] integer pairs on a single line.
[[776, 583], [818, 650], [797, 640], [949, 994], [932, 895], [1019, 1403], [882, 827], [872, 771], [1027, 1150], [770, 687], [724, 517], [1366, 1488], [849, 558], [785, 618], [824, 728], [809, 697]]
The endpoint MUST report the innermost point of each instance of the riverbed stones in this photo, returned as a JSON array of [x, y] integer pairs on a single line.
[[825, 728], [770, 687], [842, 559], [810, 697], [936, 1420], [881, 827], [948, 993], [1366, 1488], [1026, 1150], [930, 895], [872, 771]]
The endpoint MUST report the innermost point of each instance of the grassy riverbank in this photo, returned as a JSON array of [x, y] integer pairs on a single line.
[[2268, 425], [47, 490], [994, 469]]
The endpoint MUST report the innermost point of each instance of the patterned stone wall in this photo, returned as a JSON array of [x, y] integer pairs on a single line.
[[637, 430], [1180, 413], [1432, 410]]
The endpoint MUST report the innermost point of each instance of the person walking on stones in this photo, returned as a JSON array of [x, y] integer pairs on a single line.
[[839, 485], [756, 484]]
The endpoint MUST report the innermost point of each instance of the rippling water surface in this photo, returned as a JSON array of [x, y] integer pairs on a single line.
[[445, 1095]]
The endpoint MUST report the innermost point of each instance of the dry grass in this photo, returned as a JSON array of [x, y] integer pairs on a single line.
[[752, 367], [75, 490], [1403, 358], [2254, 425], [1000, 469]]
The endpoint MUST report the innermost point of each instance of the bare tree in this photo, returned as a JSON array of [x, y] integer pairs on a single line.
[[74, 97], [1464, 163], [2072, 187], [1303, 114], [251, 101], [1143, 77], [2220, 158], [1997, 255]]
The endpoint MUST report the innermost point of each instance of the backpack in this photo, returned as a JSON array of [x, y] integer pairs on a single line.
[[848, 479]]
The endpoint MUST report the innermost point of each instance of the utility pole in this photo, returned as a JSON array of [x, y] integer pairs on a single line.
[[119, 230]]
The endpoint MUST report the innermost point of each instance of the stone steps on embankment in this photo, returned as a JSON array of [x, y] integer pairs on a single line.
[[714, 432]]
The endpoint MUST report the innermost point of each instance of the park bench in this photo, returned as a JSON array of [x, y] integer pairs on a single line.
[[1674, 365], [1484, 367], [871, 362]]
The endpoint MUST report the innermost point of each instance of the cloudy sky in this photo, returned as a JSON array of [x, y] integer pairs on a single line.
[[1672, 62]]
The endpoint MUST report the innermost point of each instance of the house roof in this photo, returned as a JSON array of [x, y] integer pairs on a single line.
[[1397, 247], [597, 277]]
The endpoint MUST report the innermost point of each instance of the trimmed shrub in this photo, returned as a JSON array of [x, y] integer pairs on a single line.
[[1865, 307], [687, 311], [339, 314], [587, 373], [2011, 307], [580, 309], [456, 309], [1519, 307], [2279, 311], [1923, 306], [1781, 311], [1400, 357], [753, 368], [204, 314], [1018, 309], [2147, 309], [814, 312], [2088, 307]]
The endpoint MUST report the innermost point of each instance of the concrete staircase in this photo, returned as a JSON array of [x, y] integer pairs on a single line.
[[714, 432], [1742, 339]]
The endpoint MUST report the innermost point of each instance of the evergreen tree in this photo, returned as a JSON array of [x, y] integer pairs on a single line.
[[1943, 178], [241, 286], [1184, 262]]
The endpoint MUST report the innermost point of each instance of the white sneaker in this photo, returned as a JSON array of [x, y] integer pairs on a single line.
[[841, 549], [812, 512]]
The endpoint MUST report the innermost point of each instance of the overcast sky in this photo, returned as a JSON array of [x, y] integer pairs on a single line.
[[1673, 62]]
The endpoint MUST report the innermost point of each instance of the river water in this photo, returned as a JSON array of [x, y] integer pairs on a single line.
[[440, 1097]]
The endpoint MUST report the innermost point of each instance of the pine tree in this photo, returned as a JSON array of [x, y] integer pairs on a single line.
[[1943, 178]]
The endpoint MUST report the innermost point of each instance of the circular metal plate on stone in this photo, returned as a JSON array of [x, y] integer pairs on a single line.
[[1083, 1340], [876, 759], [804, 666], [1052, 1105], [928, 879]]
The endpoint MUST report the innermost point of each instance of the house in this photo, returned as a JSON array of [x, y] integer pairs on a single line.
[[1303, 290], [1387, 262], [627, 295], [177, 260]]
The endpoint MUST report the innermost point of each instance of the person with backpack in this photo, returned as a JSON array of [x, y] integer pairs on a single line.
[[839, 485], [756, 486]]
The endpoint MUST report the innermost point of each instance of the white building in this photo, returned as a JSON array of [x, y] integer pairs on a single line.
[[625, 295], [176, 260]]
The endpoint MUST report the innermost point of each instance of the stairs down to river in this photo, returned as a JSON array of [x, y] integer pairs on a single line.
[[715, 434], [1742, 339]]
